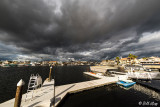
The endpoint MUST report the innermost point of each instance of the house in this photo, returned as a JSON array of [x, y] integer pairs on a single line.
[[104, 62], [123, 60], [128, 60], [150, 60], [52, 62]]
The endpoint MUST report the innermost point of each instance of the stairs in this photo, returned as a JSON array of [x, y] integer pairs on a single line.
[[32, 85]]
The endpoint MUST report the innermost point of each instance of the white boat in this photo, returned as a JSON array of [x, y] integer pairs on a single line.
[[99, 74], [144, 75]]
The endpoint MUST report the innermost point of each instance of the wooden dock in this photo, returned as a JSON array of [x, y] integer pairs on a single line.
[[44, 97]]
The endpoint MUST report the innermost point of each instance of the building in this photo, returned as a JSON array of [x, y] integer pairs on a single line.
[[52, 62], [104, 62], [150, 60], [123, 60], [128, 60]]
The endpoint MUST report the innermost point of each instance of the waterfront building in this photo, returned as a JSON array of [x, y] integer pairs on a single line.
[[104, 62], [52, 62], [150, 62], [129, 61], [123, 60]]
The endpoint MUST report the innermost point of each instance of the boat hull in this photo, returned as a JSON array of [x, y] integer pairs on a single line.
[[144, 76]]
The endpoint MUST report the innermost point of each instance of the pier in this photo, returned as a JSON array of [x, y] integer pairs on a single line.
[[44, 96], [103, 69]]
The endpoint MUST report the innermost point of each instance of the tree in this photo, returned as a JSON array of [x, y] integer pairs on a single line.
[[132, 57], [145, 58], [117, 60]]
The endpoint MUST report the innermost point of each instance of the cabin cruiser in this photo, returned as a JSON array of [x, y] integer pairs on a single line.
[[143, 74]]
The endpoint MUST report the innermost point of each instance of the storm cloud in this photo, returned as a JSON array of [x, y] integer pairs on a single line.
[[80, 29]]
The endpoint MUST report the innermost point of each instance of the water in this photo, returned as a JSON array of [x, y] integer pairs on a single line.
[[113, 96], [10, 76], [155, 84], [107, 96]]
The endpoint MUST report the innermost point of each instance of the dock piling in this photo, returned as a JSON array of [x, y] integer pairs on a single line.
[[49, 79], [18, 96]]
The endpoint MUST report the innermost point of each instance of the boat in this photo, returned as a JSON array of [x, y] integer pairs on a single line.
[[5, 65], [99, 74], [13, 65], [144, 75], [126, 83]]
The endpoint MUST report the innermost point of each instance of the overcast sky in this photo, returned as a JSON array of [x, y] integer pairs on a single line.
[[80, 29]]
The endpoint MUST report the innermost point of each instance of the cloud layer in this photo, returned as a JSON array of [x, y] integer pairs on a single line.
[[80, 29]]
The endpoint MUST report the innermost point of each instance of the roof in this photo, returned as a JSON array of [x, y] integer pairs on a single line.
[[123, 59], [52, 61]]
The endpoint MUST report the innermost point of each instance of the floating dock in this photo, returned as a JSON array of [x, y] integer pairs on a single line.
[[44, 97]]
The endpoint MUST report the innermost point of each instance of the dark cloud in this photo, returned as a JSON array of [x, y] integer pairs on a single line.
[[81, 29]]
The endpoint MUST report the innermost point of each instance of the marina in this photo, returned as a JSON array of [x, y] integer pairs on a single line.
[[79, 53], [62, 91]]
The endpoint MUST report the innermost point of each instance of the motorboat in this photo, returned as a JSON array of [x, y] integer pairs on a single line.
[[126, 83], [144, 75]]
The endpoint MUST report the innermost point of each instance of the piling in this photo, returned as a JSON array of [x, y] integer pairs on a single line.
[[54, 90], [18, 96], [49, 79]]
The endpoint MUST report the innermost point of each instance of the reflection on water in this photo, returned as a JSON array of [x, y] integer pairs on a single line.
[[147, 91], [126, 88], [152, 83]]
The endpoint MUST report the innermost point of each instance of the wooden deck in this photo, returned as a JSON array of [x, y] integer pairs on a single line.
[[44, 97]]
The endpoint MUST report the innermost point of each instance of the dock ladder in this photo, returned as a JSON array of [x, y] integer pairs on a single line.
[[31, 87]]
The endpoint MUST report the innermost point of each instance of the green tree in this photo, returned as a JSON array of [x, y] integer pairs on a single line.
[[145, 58], [117, 60], [132, 57]]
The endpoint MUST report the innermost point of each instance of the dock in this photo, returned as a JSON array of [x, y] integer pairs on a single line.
[[44, 96], [103, 69], [120, 73]]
